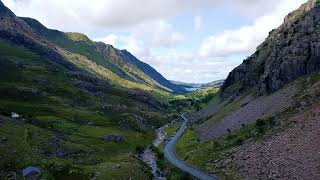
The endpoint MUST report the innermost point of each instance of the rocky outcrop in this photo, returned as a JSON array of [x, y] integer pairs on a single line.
[[114, 138], [290, 51], [31, 173]]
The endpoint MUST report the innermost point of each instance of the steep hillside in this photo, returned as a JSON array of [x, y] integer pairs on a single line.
[[137, 68], [76, 115], [265, 124], [119, 62], [290, 51]]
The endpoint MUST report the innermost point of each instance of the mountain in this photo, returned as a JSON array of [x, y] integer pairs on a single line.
[[126, 60], [196, 86], [264, 122], [289, 52], [120, 62], [71, 108]]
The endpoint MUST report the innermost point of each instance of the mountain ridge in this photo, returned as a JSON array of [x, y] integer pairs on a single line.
[[282, 57], [121, 62]]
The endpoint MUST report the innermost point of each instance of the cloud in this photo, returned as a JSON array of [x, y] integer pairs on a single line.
[[197, 23], [189, 67], [164, 35], [155, 34], [245, 39], [144, 26], [84, 14], [109, 39]]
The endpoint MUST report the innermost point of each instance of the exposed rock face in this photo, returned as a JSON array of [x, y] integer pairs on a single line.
[[290, 51], [252, 110], [289, 154], [114, 138], [31, 173]]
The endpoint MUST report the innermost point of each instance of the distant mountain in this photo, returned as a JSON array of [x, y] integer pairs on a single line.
[[213, 83], [195, 86], [289, 52]]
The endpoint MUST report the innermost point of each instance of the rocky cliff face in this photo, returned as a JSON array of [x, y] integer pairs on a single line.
[[290, 51]]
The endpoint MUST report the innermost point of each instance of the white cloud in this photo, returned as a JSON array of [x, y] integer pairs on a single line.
[[164, 35], [245, 39], [188, 67], [83, 14], [197, 23], [109, 39], [159, 33], [142, 26]]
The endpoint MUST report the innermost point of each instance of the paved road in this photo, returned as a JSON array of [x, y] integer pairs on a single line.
[[169, 154]]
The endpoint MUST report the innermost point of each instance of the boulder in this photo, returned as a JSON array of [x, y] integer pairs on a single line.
[[14, 115], [114, 138], [31, 173]]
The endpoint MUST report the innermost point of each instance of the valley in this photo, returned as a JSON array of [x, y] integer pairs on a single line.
[[72, 108]]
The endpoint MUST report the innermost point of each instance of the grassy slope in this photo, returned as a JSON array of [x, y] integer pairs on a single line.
[[49, 109], [80, 45], [198, 153]]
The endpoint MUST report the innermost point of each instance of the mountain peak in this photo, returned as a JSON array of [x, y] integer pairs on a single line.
[[311, 4], [304, 8]]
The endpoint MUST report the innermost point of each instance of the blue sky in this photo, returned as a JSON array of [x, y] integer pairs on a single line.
[[190, 41]]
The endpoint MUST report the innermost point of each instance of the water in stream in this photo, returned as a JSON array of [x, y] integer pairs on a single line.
[[150, 158]]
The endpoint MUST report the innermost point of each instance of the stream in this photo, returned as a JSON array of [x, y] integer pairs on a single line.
[[149, 157]]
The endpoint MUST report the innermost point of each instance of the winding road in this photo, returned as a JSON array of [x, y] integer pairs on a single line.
[[169, 154]]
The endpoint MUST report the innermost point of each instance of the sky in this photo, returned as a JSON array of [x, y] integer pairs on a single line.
[[194, 41]]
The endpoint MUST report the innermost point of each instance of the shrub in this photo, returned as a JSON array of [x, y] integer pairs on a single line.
[[260, 123], [239, 140]]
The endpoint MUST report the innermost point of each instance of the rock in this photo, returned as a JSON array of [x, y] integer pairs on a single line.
[[14, 115], [31, 173], [289, 52], [42, 81], [20, 66], [3, 140], [35, 91], [114, 138], [12, 176]]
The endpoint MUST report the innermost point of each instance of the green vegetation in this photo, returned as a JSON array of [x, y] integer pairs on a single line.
[[79, 48], [63, 126], [195, 99], [199, 153], [171, 129], [206, 154]]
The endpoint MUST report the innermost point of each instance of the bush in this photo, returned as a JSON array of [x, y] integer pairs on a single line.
[[239, 141], [260, 123], [140, 149]]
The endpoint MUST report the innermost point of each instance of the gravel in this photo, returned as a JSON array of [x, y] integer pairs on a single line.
[[251, 110], [290, 154]]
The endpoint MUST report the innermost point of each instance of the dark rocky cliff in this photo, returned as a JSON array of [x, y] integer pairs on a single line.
[[290, 51]]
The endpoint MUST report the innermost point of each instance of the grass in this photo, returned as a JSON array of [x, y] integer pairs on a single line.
[[199, 153], [171, 129], [58, 116], [81, 47], [204, 153]]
